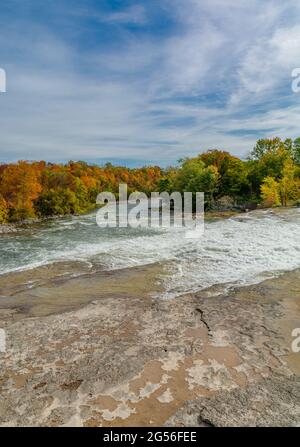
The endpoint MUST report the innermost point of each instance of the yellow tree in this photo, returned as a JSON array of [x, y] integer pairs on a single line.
[[288, 184], [270, 192]]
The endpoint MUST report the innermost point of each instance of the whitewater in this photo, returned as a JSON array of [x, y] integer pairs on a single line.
[[240, 250]]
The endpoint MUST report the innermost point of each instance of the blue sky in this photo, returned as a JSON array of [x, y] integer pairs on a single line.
[[146, 81]]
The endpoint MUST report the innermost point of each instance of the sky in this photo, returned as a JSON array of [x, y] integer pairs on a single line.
[[146, 81]]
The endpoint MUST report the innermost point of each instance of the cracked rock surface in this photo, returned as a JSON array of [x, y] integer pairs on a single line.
[[123, 358]]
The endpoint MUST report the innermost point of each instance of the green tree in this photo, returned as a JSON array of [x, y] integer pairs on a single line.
[[267, 160], [296, 151], [233, 173], [57, 203], [268, 145], [194, 176]]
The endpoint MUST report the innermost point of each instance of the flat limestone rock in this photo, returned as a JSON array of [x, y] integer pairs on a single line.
[[273, 402], [123, 358]]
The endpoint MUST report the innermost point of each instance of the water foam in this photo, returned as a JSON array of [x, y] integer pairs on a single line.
[[240, 250]]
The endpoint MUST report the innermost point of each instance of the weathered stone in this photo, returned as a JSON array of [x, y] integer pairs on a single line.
[[131, 359]]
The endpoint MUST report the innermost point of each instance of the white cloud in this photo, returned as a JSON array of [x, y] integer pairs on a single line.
[[268, 64], [211, 82]]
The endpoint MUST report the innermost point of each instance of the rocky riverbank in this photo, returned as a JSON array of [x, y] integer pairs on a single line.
[[15, 227], [124, 358], [8, 228]]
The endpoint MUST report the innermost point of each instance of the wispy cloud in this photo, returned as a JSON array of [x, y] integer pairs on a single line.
[[189, 77], [134, 14]]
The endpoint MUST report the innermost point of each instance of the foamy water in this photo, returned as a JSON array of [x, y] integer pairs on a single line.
[[241, 250]]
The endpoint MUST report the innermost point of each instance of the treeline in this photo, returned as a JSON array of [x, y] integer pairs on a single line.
[[40, 189], [269, 177]]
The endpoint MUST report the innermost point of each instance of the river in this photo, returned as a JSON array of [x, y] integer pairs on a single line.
[[240, 250]]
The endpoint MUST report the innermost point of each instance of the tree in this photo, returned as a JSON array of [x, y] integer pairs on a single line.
[[283, 192], [57, 203], [296, 151], [268, 158], [269, 145], [270, 192], [167, 182], [20, 186], [233, 173], [288, 185], [194, 176], [3, 210]]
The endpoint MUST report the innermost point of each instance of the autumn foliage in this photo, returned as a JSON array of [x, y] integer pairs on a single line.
[[269, 177], [40, 189]]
